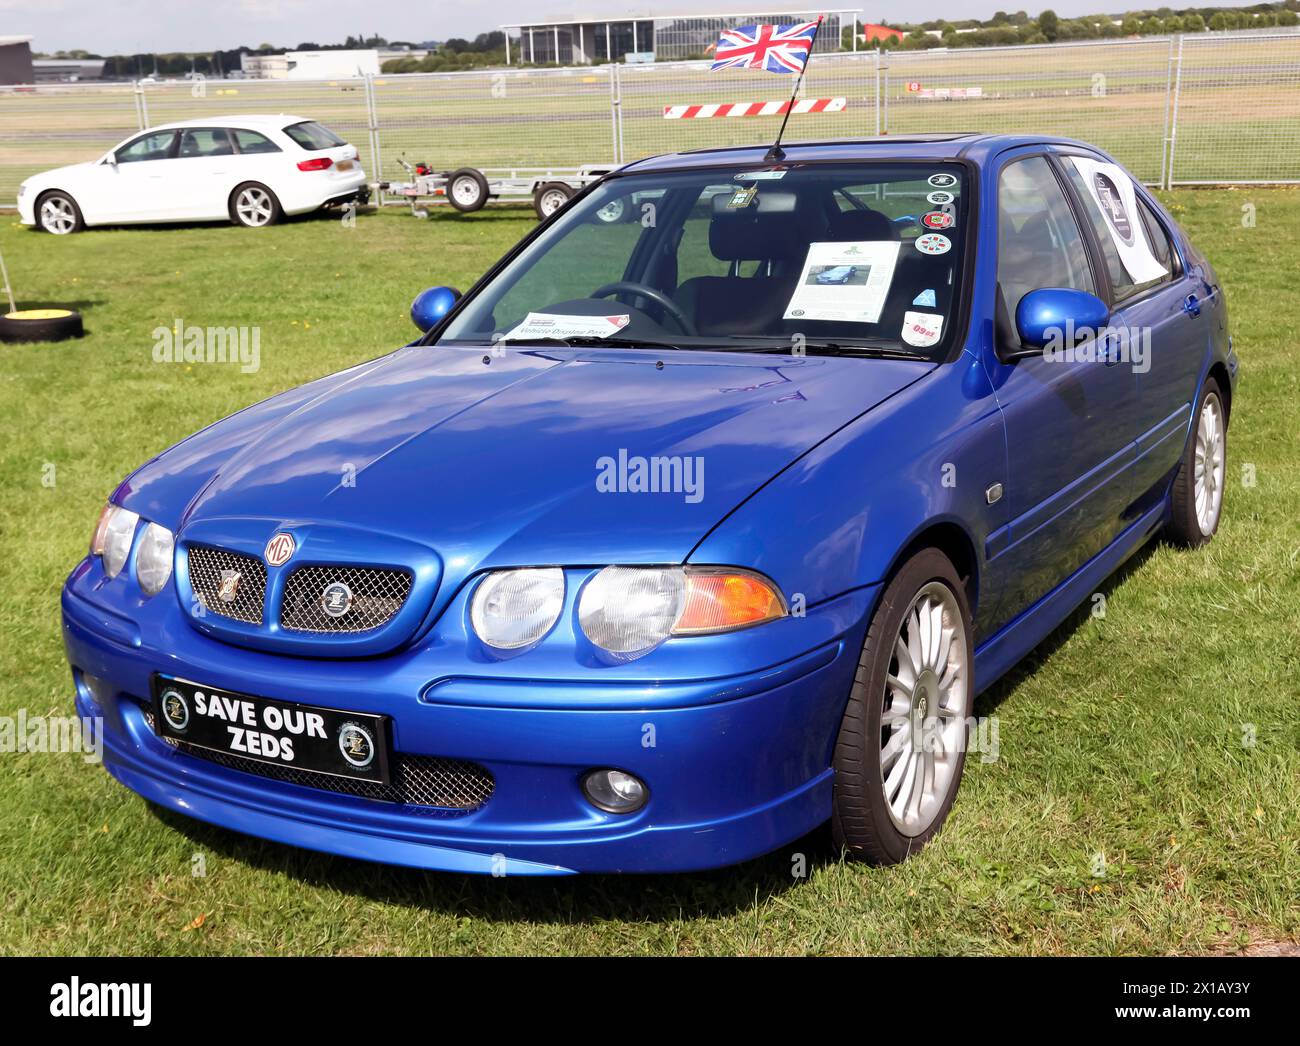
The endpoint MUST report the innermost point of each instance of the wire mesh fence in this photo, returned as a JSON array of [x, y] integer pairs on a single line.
[[1114, 94], [497, 118], [1197, 109], [1235, 106]]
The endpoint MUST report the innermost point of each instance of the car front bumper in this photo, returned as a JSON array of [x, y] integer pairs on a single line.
[[736, 765]]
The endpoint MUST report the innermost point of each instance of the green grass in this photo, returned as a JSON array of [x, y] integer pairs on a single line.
[[1121, 736]]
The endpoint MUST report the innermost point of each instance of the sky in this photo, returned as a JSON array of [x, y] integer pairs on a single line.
[[145, 26]]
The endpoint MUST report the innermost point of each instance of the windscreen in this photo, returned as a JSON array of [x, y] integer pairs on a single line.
[[863, 254]]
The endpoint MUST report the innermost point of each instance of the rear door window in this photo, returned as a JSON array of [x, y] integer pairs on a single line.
[[204, 141], [1132, 259], [253, 142]]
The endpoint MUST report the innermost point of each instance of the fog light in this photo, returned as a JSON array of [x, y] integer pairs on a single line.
[[614, 791]]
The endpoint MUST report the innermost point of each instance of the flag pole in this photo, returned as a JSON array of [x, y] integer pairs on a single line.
[[776, 152]]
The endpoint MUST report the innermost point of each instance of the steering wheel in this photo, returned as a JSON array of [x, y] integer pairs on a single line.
[[657, 296]]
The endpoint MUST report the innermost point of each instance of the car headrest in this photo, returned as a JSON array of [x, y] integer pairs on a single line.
[[865, 224], [768, 228]]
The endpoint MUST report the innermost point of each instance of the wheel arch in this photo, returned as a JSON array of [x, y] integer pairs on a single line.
[[1219, 372], [954, 541]]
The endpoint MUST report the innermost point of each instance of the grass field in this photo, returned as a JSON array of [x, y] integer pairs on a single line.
[[1122, 736]]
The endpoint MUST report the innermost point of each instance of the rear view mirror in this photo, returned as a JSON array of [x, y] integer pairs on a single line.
[[1059, 316], [431, 305]]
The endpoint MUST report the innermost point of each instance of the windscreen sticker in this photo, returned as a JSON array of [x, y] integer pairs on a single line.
[[846, 281], [556, 325], [942, 181], [938, 220], [939, 197], [1112, 191], [933, 243], [921, 328], [925, 299], [761, 176]]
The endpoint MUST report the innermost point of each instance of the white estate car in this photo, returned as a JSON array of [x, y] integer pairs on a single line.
[[248, 169]]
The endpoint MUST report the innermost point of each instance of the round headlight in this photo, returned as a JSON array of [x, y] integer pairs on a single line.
[[631, 610], [515, 608], [153, 562], [112, 541]]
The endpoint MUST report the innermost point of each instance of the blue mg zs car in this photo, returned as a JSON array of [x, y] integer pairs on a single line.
[[657, 551]]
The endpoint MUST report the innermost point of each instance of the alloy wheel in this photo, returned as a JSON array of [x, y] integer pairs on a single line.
[[58, 215], [1209, 462], [923, 724], [253, 205]]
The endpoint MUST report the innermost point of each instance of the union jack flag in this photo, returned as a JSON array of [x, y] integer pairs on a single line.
[[776, 48]]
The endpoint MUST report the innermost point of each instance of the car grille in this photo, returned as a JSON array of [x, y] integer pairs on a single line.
[[416, 780], [209, 567], [375, 596]]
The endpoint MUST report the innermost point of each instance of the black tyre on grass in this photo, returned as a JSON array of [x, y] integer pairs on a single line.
[[901, 748], [41, 325], [1198, 487]]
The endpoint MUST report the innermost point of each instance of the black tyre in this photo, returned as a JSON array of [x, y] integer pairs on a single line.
[[901, 748], [254, 206], [549, 197], [1198, 488], [467, 189], [57, 213], [41, 325]]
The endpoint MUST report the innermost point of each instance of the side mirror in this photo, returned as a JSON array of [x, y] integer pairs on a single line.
[[1059, 316], [110, 159], [431, 305]]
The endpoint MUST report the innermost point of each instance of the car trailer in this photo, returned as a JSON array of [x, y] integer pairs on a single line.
[[467, 189]]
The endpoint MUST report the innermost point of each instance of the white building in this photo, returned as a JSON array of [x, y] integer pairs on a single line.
[[582, 41], [310, 65]]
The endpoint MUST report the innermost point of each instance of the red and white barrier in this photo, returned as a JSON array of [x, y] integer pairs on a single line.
[[803, 105]]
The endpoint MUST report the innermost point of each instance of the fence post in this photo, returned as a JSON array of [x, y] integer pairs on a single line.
[[141, 106], [876, 59], [372, 123], [1173, 113], [616, 110], [884, 94]]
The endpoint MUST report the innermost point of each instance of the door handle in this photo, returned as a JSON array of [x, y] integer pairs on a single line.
[[1192, 305]]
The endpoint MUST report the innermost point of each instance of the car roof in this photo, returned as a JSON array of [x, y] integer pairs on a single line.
[[940, 145], [254, 121]]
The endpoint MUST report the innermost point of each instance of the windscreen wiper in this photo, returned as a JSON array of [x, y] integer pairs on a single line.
[[835, 348], [592, 341]]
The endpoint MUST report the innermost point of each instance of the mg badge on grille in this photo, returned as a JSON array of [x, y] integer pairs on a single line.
[[279, 549], [336, 599], [228, 590]]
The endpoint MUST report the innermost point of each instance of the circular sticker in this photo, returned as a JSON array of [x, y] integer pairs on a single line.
[[937, 220], [942, 181], [175, 709], [921, 328], [939, 198], [356, 744], [933, 243], [1112, 205], [336, 600]]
